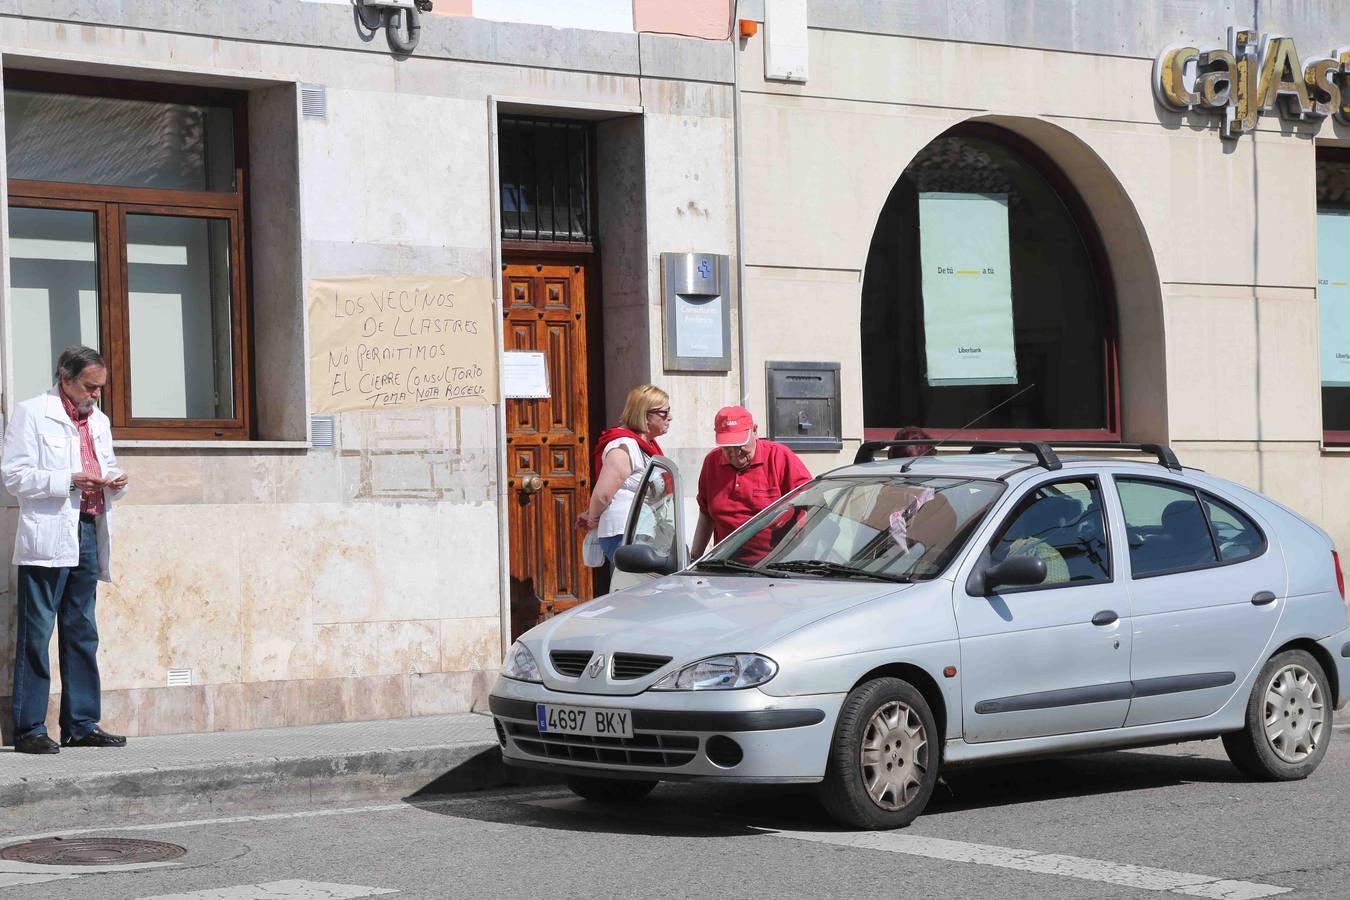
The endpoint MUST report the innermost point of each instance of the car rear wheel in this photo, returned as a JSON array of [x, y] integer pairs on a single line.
[[1288, 720], [609, 790], [883, 763]]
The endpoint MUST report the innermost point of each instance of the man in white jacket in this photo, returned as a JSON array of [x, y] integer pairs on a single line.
[[58, 460]]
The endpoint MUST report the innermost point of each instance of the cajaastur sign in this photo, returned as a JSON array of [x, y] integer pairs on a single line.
[[1254, 75]]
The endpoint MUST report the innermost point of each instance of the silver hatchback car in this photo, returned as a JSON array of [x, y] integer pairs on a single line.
[[892, 619]]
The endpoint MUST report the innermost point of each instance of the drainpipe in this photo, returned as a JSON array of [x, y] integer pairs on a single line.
[[740, 212]]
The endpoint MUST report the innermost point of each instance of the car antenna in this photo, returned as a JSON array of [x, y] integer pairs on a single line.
[[939, 444]]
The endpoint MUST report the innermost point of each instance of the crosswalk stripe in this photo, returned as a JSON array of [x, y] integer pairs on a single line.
[[17, 879], [1122, 874], [293, 889]]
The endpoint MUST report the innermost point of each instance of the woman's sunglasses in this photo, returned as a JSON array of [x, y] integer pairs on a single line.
[[663, 413]]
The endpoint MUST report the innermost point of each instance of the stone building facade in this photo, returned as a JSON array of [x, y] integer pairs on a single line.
[[270, 575]]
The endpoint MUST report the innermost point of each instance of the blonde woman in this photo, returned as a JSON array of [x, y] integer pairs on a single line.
[[620, 456]]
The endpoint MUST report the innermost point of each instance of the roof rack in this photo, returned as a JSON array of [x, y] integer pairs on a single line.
[[1045, 457], [1044, 451], [1161, 452]]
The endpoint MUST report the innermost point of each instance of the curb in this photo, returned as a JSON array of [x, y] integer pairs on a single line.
[[261, 785]]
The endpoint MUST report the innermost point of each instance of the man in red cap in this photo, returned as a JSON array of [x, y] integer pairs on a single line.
[[742, 476]]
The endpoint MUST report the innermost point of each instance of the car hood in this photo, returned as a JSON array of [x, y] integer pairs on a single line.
[[684, 618]]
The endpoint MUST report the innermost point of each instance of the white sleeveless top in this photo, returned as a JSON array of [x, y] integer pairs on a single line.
[[615, 517]]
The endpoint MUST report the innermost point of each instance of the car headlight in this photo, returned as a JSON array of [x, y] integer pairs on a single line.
[[520, 664], [720, 673]]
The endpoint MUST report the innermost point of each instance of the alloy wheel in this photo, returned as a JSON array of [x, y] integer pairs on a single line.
[[894, 756], [1293, 713]]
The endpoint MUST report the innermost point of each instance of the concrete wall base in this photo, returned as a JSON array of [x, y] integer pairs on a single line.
[[278, 704]]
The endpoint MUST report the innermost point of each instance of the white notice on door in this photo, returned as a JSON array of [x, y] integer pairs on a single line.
[[524, 375]]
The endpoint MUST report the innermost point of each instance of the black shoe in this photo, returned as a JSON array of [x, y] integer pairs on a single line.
[[96, 738], [36, 743]]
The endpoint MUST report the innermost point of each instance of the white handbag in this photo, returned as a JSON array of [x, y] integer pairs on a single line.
[[591, 552]]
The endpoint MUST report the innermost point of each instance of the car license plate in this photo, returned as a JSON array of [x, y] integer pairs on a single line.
[[584, 720]]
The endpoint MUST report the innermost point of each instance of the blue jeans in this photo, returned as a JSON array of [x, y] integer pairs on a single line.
[[609, 545], [65, 597]]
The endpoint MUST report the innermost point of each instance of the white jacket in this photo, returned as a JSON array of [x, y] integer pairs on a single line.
[[42, 451]]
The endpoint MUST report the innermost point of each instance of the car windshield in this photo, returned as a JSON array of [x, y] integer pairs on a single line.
[[884, 527]]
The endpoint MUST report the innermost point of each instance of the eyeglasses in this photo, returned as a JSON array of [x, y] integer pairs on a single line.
[[663, 413]]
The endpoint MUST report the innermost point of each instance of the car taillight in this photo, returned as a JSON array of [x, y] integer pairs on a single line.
[[1340, 579]]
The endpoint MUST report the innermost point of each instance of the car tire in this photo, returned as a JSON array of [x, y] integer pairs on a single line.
[[609, 790], [1288, 720], [883, 762]]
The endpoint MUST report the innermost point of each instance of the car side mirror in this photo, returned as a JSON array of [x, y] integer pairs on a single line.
[[642, 558], [1015, 571]]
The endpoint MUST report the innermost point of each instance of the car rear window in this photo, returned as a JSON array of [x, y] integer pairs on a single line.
[[1172, 528]]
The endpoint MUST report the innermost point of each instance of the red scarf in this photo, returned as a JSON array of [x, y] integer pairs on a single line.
[[609, 435]]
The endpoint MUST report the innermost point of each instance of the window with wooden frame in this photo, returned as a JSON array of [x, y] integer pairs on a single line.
[[127, 224]]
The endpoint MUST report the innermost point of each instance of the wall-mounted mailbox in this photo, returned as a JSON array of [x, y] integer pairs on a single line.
[[804, 404], [696, 312]]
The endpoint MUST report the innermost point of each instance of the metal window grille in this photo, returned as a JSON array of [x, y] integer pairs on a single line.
[[545, 189]]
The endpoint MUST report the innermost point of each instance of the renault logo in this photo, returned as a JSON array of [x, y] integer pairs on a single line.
[[597, 665]]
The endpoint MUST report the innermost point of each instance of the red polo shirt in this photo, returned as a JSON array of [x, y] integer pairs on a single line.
[[731, 496]]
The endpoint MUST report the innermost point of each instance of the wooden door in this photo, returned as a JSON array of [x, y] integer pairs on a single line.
[[547, 441]]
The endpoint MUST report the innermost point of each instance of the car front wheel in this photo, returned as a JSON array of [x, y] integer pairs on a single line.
[[609, 790], [1288, 720], [883, 762]]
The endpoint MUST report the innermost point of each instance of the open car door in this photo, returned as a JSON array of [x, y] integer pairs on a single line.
[[654, 539]]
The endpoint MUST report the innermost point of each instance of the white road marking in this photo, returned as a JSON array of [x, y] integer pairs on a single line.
[[410, 806], [15, 879], [8, 867], [225, 820], [1124, 875], [293, 889]]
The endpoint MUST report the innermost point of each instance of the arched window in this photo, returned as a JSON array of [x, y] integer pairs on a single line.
[[986, 284]]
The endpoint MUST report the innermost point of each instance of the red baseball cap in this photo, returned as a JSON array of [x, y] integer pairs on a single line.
[[733, 426]]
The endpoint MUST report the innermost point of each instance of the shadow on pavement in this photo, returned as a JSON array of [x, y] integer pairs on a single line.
[[696, 810], [1074, 776]]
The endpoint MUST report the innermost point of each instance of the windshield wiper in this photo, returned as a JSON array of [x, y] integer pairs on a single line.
[[731, 565], [825, 567]]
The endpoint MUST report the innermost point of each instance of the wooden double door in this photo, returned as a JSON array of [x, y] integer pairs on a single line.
[[548, 441]]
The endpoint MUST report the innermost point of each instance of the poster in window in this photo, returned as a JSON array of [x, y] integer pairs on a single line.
[[967, 289], [1333, 295]]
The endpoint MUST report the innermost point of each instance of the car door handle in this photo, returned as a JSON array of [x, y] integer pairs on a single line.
[[1261, 598], [1105, 617]]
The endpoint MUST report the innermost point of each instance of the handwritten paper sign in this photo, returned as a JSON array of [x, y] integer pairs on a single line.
[[401, 342]]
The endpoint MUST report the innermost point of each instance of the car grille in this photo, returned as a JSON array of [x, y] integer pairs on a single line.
[[665, 751], [628, 666], [570, 662]]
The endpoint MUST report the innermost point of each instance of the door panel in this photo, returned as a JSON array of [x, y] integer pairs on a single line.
[[548, 441], [1033, 662], [1196, 633]]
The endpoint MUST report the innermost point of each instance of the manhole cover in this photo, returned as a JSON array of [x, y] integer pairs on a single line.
[[91, 852]]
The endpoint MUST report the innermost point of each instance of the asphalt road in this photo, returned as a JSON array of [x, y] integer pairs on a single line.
[[1171, 821]]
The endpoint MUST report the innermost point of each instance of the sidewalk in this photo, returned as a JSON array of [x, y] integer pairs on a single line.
[[248, 772], [241, 772]]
